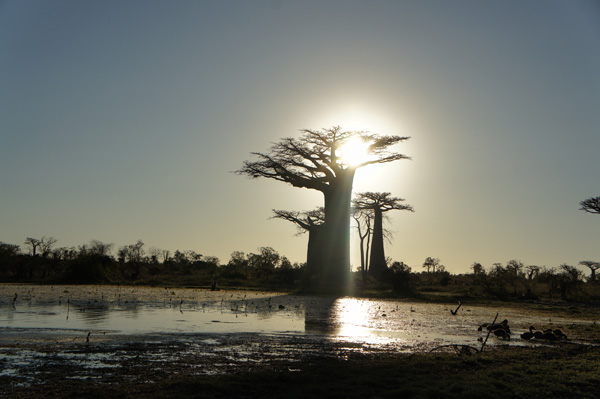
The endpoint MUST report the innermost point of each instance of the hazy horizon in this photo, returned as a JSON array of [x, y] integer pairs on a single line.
[[125, 120]]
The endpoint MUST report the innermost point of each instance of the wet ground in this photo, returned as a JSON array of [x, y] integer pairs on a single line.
[[111, 334]]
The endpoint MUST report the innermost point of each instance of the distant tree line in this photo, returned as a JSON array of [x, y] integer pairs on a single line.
[[41, 261], [510, 281], [515, 280]]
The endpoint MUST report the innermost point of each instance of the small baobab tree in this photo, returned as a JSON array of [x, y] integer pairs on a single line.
[[532, 271], [326, 161], [593, 266], [34, 243], [591, 205], [379, 204]]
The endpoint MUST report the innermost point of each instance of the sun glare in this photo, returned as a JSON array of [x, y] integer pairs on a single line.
[[355, 151], [352, 317]]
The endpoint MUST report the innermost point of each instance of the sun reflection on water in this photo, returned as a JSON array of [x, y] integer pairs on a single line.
[[351, 317], [360, 320]]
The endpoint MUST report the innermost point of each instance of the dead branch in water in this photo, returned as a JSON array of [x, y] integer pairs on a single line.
[[488, 334], [454, 312]]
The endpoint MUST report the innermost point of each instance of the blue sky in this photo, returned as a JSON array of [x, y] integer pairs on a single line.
[[123, 120]]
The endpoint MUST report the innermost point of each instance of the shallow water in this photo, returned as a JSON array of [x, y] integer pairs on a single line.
[[374, 322], [93, 332], [140, 319]]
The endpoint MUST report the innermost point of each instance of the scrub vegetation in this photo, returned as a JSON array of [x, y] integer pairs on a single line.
[[95, 263]]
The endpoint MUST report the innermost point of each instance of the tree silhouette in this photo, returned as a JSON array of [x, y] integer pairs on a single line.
[[532, 271], [364, 222], [34, 243], [314, 161], [477, 268], [431, 264], [593, 266], [100, 248], [311, 221], [378, 203], [591, 205], [46, 244]]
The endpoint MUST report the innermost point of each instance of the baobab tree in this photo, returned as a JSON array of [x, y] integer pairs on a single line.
[[593, 266], [532, 271], [311, 222], [591, 205], [326, 161], [364, 226], [379, 204], [34, 243]]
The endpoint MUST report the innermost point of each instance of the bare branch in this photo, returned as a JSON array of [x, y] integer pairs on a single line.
[[305, 220]]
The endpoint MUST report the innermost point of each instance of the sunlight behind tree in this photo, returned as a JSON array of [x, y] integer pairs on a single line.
[[312, 161], [355, 151]]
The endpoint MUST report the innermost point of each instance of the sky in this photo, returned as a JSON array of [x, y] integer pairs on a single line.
[[125, 120]]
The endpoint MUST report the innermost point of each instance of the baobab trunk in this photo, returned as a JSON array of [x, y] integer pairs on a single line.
[[335, 261], [313, 255], [377, 263]]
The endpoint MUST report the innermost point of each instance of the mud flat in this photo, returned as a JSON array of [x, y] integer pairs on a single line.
[[64, 341]]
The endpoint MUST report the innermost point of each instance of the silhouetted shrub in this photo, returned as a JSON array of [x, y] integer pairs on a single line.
[[400, 276], [90, 269]]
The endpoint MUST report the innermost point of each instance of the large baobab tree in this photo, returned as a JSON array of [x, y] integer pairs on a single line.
[[311, 221], [320, 160], [591, 205], [379, 204]]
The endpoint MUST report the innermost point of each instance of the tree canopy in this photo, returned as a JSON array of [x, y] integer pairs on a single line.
[[591, 205], [313, 160]]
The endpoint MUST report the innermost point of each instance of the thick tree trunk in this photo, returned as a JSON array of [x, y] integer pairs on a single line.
[[313, 255], [377, 264], [363, 266], [335, 240]]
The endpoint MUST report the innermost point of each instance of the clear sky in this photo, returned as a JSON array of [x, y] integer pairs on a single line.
[[123, 120]]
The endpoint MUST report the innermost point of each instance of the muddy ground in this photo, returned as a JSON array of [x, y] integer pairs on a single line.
[[48, 363]]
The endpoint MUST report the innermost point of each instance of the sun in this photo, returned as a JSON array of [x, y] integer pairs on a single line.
[[354, 151]]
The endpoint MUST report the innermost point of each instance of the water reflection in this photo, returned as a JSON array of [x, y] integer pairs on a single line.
[[194, 317], [352, 317], [397, 324], [94, 316], [364, 321]]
